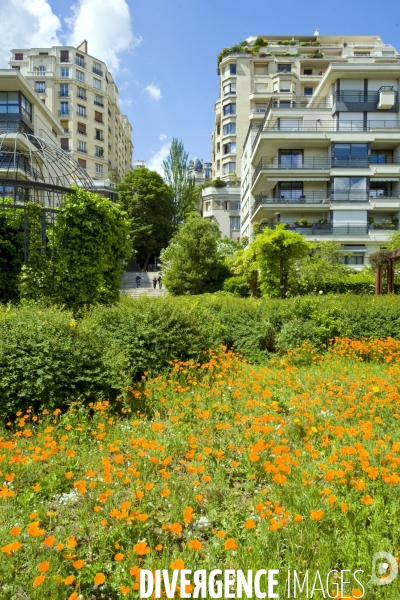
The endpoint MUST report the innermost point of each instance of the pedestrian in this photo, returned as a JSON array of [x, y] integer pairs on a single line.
[[154, 282], [159, 279], [138, 280]]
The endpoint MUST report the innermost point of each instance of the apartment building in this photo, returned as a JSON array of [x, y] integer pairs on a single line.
[[311, 125], [80, 91]]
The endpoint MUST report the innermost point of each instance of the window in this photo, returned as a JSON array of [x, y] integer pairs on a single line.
[[348, 155], [79, 60], [81, 110], [229, 167], [381, 156], [307, 71], [40, 87], [96, 83], [81, 93], [227, 206], [229, 89], [18, 68], [308, 91], [98, 100], [81, 146], [208, 206], [42, 69], [290, 190], [97, 69], [234, 222], [349, 188], [64, 109], [98, 134], [218, 147], [380, 189], [284, 85], [64, 90], [261, 70], [291, 159], [64, 56], [26, 108], [229, 129], [64, 125], [384, 53], [9, 102], [82, 128], [80, 75], [82, 163], [260, 108], [98, 151], [65, 144], [260, 88], [64, 71], [284, 68], [230, 109], [237, 205], [98, 116], [18, 56], [230, 148], [230, 69], [99, 169], [353, 259]]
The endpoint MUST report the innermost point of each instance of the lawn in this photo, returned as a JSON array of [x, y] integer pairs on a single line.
[[221, 465]]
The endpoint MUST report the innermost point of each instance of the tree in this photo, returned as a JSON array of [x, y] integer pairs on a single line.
[[276, 253], [193, 262], [92, 242], [11, 251], [177, 175], [148, 202], [321, 267]]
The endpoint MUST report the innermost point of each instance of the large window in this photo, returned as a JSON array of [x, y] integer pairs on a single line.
[[42, 69], [380, 189], [80, 75], [284, 85], [308, 91], [99, 152], [230, 69], [64, 110], [82, 146], [97, 83], [349, 155], [99, 169], [284, 68], [9, 102], [81, 93], [98, 100], [350, 188], [229, 129], [230, 109], [229, 89], [291, 159], [64, 90], [40, 87], [229, 167], [97, 69], [230, 148], [26, 107], [234, 223], [65, 72], [81, 110], [290, 190], [353, 259], [381, 156]]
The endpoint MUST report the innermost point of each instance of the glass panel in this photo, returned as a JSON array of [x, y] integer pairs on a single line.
[[291, 190], [291, 158]]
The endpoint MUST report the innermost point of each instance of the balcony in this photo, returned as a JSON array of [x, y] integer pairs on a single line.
[[81, 132], [98, 103], [64, 94], [292, 162], [98, 121], [99, 139], [386, 98], [81, 96], [64, 113], [97, 71], [319, 126], [288, 198], [80, 63], [81, 114], [301, 102], [322, 229], [82, 150]]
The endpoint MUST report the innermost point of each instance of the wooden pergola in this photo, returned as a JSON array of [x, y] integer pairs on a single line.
[[384, 261]]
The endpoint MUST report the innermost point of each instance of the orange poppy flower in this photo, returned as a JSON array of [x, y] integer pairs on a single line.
[[99, 578], [68, 580], [195, 545], [44, 566], [317, 515], [249, 524], [38, 581], [78, 564], [177, 565], [230, 544], [141, 548]]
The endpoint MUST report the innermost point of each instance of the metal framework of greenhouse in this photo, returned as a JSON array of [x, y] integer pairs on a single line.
[[384, 260], [34, 170]]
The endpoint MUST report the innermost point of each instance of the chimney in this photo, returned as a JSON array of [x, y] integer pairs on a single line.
[[83, 47]]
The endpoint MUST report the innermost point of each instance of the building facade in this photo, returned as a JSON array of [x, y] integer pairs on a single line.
[[311, 125], [80, 92]]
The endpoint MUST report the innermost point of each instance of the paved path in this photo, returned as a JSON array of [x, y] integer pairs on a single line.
[[128, 285]]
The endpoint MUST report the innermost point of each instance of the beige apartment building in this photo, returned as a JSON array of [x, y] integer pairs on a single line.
[[80, 92], [311, 126]]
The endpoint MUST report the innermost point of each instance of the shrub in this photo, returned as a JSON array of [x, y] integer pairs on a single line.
[[237, 285], [11, 252]]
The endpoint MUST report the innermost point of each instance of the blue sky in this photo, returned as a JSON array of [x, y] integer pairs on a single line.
[[163, 52]]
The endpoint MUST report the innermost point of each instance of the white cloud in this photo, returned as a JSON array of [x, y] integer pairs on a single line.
[[163, 136], [26, 24], [126, 101], [155, 163], [153, 91], [106, 25]]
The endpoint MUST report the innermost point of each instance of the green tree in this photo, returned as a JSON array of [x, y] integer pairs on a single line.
[[11, 251], [243, 264], [148, 202], [92, 242], [177, 175], [277, 252], [193, 262], [321, 267]]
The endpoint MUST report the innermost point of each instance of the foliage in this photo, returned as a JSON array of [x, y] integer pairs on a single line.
[[193, 263], [237, 285], [201, 464], [393, 242], [92, 241], [11, 252], [36, 279], [178, 177], [276, 254], [148, 202]]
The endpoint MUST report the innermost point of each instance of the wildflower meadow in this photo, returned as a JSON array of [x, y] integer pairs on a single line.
[[222, 464]]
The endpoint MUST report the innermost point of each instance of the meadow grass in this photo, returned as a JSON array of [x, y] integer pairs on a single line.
[[220, 465]]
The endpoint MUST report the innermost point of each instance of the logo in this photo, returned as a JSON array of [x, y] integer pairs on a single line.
[[384, 568]]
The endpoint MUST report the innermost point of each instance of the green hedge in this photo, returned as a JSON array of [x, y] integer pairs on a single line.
[[47, 358]]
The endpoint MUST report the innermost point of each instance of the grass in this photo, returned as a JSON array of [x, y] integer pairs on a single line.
[[291, 465]]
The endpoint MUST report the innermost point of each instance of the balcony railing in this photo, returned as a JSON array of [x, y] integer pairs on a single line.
[[323, 229], [81, 96], [97, 71], [301, 102], [98, 103], [298, 197], [81, 114], [319, 126], [100, 139], [64, 94], [81, 132], [64, 113], [80, 62], [98, 121]]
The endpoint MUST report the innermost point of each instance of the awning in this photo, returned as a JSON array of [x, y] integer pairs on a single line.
[[381, 178], [354, 248], [300, 179]]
